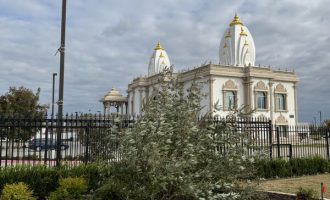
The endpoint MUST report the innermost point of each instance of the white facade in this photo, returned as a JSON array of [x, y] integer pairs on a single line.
[[234, 83]]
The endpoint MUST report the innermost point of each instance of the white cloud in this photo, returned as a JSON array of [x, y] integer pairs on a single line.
[[109, 43]]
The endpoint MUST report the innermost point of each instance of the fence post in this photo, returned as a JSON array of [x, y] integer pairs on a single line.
[[327, 141], [270, 139], [46, 142], [87, 143], [278, 142]]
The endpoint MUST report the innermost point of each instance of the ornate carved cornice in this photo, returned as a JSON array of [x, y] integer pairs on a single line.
[[281, 120], [280, 88], [261, 86], [229, 85]]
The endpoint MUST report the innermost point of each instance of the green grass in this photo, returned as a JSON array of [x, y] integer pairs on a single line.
[[291, 185]]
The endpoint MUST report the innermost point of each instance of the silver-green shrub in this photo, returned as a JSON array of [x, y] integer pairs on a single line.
[[172, 153]]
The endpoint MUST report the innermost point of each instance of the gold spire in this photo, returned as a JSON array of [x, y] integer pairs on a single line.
[[236, 21], [228, 34], [161, 55], [242, 32], [159, 47]]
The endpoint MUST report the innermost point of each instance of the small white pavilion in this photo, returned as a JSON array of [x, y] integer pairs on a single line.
[[116, 100]]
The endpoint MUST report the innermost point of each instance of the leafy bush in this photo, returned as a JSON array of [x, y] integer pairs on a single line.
[[92, 173], [70, 189], [306, 194], [40, 178], [110, 191], [16, 191], [293, 167], [171, 154], [43, 180]]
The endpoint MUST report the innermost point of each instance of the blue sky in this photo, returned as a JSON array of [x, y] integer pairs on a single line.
[[109, 43]]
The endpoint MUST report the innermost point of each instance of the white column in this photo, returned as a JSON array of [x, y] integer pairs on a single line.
[[211, 81], [295, 102], [132, 102], [271, 100], [121, 108], [141, 91], [251, 95], [247, 101]]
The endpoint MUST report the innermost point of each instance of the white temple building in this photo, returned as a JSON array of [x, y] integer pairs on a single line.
[[236, 81]]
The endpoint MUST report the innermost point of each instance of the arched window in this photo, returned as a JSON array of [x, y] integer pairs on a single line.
[[280, 98], [261, 100], [280, 102], [229, 95], [261, 96], [230, 100]]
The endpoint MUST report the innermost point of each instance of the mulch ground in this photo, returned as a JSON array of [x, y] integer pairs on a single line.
[[273, 196]]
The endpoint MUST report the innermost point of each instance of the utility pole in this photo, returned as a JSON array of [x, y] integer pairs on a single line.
[[320, 118], [61, 87]]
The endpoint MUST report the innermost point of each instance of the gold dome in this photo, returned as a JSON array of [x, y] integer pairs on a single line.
[[236, 21]]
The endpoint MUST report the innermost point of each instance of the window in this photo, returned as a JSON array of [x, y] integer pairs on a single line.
[[283, 131], [280, 102], [261, 100], [230, 100]]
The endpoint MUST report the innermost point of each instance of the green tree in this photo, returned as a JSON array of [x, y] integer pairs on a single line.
[[21, 102], [20, 113], [172, 154]]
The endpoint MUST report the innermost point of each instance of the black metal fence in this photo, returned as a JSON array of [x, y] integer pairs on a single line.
[[34, 141], [86, 138]]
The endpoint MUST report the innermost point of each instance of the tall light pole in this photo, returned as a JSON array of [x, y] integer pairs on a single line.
[[61, 86], [320, 117], [54, 74]]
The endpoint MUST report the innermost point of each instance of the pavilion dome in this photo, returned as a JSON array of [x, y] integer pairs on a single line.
[[237, 45], [113, 96], [159, 61]]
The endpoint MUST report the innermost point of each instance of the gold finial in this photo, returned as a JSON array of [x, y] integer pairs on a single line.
[[236, 21], [225, 46], [159, 47], [163, 62], [242, 32], [228, 34], [161, 55]]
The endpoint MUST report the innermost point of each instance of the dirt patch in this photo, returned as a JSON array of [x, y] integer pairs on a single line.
[[275, 196]]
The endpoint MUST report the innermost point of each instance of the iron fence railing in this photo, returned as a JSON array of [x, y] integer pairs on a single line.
[[86, 138], [34, 141]]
